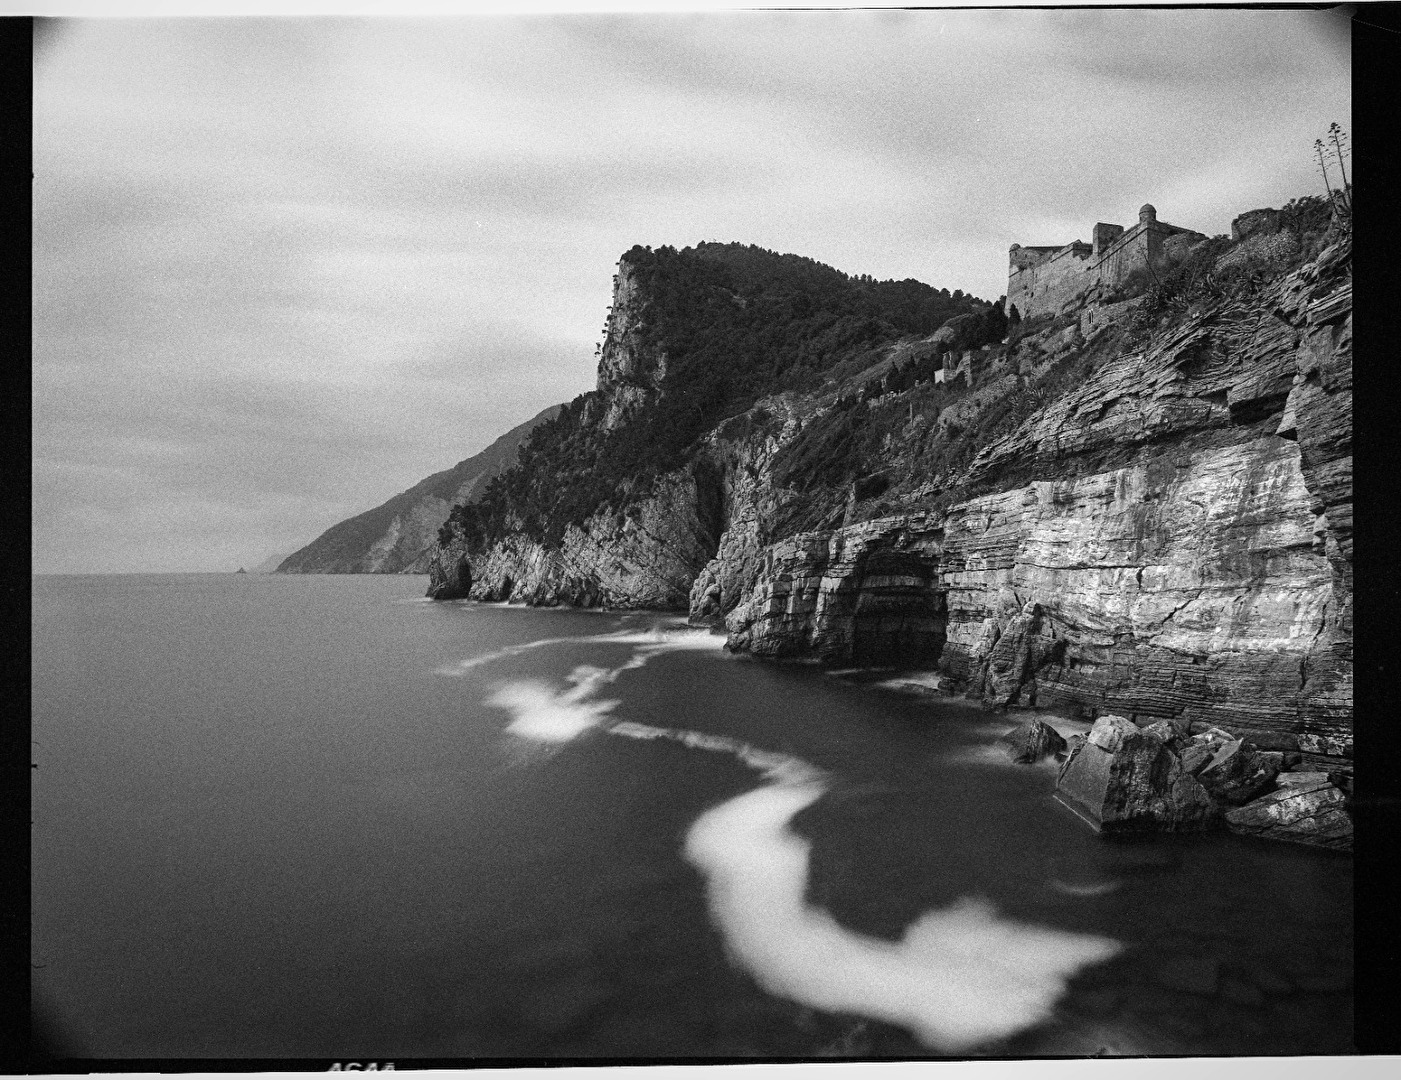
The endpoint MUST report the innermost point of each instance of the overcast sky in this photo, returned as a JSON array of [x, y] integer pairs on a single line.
[[284, 269]]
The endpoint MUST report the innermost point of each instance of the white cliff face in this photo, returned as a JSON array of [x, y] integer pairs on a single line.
[[1200, 595], [1169, 537], [1196, 573]]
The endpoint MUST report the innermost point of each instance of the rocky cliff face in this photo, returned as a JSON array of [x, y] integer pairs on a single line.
[[647, 557], [396, 537], [1142, 510], [1172, 538], [647, 540], [630, 371]]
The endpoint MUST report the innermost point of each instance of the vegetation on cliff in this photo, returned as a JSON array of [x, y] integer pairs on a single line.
[[901, 443], [735, 323]]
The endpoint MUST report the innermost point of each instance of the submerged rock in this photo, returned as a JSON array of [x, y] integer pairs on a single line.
[[1032, 741], [1302, 813], [1125, 778]]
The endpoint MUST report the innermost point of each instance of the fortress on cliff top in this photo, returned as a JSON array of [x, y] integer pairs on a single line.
[[1044, 280]]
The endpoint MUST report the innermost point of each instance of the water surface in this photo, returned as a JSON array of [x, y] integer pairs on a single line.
[[316, 816]]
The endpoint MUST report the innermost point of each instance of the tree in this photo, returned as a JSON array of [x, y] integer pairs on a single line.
[[1339, 139], [1335, 149]]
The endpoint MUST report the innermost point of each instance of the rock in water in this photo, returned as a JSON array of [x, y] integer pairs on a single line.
[[1238, 772], [450, 579], [1031, 742], [1126, 779], [1302, 813]]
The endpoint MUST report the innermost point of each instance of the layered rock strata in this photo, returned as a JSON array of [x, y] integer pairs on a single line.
[[1170, 539]]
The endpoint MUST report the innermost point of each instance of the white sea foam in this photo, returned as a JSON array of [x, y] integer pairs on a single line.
[[545, 714], [779, 768], [650, 642], [464, 666], [959, 977], [918, 684], [1095, 888]]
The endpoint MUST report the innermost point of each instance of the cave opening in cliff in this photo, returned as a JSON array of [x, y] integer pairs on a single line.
[[899, 617]]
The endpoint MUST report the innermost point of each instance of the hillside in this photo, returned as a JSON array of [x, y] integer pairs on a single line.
[[395, 537], [693, 337]]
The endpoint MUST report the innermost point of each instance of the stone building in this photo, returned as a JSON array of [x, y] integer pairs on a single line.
[[1046, 280], [961, 364]]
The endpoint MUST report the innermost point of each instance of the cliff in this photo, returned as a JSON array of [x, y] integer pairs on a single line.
[[621, 499], [1139, 507], [395, 537]]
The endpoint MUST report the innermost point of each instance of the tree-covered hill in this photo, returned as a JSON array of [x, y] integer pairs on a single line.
[[734, 323]]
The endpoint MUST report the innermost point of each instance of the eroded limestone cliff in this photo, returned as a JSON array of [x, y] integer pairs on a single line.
[[1172, 538], [1142, 508]]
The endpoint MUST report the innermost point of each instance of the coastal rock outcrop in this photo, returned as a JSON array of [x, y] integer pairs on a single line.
[[647, 557], [1141, 508], [867, 594], [1124, 778], [1031, 742], [1310, 812], [1155, 545]]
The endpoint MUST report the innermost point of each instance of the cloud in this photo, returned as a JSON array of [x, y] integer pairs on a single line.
[[285, 268]]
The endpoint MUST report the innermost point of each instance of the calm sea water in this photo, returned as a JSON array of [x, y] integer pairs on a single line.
[[316, 816]]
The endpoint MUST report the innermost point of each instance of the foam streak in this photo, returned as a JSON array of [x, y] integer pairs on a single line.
[[960, 977]]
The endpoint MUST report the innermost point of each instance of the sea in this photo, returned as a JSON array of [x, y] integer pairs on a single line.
[[321, 817]]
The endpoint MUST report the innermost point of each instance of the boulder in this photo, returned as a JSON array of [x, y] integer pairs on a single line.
[[1172, 732], [1032, 741], [1302, 813], [1238, 772], [1126, 779], [1072, 747], [1197, 756]]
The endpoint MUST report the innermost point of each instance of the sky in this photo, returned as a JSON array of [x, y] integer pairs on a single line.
[[286, 268]]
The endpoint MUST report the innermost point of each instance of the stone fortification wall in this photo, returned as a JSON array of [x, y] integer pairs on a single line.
[[1046, 284], [1023, 257], [1051, 282], [1124, 255]]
